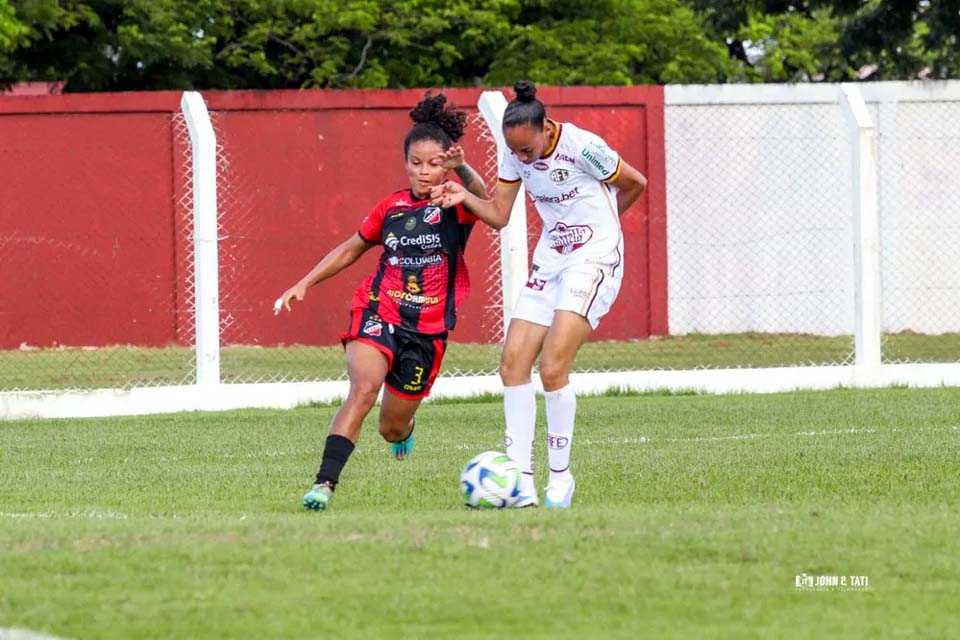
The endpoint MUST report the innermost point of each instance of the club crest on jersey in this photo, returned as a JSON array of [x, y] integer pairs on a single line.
[[372, 328], [540, 166], [391, 241], [410, 223], [431, 215], [565, 240], [559, 175]]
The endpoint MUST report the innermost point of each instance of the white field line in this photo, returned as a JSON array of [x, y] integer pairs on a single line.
[[16, 633], [265, 454], [85, 515], [744, 436], [587, 442]]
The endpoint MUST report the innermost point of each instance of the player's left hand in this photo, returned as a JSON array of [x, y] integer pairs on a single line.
[[452, 158], [448, 194]]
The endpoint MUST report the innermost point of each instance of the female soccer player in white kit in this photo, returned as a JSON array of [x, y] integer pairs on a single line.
[[580, 187]]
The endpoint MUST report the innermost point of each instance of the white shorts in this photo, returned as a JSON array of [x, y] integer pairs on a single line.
[[587, 291]]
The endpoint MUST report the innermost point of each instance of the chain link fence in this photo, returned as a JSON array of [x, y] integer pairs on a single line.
[[919, 169], [760, 253], [256, 209], [95, 294], [481, 357], [760, 233], [759, 226]]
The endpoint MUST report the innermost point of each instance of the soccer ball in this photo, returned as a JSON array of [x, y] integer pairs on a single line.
[[490, 480]]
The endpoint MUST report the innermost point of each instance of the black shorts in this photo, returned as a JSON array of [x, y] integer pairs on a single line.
[[414, 358]]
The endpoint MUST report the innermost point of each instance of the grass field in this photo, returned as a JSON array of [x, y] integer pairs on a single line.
[[132, 366], [693, 517]]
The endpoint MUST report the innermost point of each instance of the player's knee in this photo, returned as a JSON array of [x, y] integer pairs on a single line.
[[363, 395], [513, 372], [393, 431], [553, 374]]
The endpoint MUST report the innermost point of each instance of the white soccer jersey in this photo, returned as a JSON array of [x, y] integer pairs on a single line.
[[570, 187]]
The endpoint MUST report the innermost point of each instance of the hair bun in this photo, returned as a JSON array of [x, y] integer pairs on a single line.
[[526, 91], [433, 110]]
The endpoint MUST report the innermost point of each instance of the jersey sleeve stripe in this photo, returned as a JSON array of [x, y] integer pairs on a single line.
[[507, 183], [615, 174], [368, 240]]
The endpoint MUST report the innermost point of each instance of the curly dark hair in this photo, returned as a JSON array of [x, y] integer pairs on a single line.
[[434, 119], [525, 108]]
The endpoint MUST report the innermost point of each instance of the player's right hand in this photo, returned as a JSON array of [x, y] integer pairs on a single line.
[[296, 292]]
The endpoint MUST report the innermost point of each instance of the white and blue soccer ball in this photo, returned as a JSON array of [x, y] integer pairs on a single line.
[[491, 480]]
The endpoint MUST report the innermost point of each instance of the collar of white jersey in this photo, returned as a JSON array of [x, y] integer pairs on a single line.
[[554, 141]]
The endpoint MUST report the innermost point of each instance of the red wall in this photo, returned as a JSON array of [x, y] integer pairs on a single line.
[[92, 249]]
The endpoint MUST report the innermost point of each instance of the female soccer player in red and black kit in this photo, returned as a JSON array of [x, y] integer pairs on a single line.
[[400, 315]]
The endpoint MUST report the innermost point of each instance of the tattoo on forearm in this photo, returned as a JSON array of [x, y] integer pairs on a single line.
[[466, 176]]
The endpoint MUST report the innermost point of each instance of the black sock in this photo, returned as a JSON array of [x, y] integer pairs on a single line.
[[335, 455]]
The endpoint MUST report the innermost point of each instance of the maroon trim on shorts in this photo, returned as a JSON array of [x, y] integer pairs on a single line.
[[376, 345], [595, 294], [437, 361], [407, 396]]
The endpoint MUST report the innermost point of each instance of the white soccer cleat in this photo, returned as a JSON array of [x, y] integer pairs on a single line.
[[559, 494], [528, 500], [528, 493]]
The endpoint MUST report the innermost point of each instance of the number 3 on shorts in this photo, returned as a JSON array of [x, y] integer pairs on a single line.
[[419, 375]]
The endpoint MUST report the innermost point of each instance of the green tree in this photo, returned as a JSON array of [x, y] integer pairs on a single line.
[[154, 44], [791, 47], [614, 42], [99, 45], [110, 44], [794, 40], [363, 43], [906, 39], [12, 31], [12, 35]]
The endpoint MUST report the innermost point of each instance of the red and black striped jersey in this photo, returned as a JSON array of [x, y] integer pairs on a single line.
[[421, 278]]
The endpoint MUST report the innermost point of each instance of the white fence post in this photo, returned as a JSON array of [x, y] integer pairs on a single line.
[[206, 266], [513, 237], [866, 229]]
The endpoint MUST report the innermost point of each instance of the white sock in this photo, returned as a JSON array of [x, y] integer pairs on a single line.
[[561, 412], [520, 411]]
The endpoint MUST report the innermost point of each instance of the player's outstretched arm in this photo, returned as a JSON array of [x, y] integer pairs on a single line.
[[630, 185], [494, 212], [454, 159], [341, 257]]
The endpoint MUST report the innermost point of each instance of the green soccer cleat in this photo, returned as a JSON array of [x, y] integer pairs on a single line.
[[403, 449], [318, 497]]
